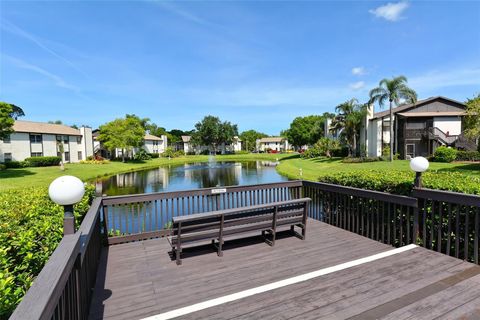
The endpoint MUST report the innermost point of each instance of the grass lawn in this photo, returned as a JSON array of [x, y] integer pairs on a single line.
[[312, 169], [26, 177]]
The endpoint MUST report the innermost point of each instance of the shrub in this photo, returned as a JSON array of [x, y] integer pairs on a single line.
[[142, 155], [401, 182], [16, 164], [311, 153], [169, 152], [340, 152], [2, 167], [444, 154], [89, 158], [31, 226], [467, 155], [154, 155], [179, 153], [43, 161], [242, 152]]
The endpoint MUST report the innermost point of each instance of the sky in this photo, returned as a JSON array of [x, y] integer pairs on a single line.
[[258, 64]]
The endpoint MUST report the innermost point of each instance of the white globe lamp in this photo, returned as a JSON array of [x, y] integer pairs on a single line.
[[67, 191], [419, 165]]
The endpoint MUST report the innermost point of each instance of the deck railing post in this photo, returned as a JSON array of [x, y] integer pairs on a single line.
[[415, 225], [68, 220]]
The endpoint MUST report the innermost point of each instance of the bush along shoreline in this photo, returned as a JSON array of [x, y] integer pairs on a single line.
[[401, 182], [31, 226]]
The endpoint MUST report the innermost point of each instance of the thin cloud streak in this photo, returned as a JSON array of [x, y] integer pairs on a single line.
[[16, 30], [182, 13]]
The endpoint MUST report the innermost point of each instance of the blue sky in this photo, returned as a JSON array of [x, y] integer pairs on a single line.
[[256, 63]]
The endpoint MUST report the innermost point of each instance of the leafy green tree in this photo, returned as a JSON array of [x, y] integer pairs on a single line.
[[55, 122], [124, 133], [249, 139], [349, 118], [6, 120], [472, 120], [326, 146], [396, 92], [305, 130], [212, 132]]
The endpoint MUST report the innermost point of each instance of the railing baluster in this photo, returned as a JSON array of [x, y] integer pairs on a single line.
[[466, 235]]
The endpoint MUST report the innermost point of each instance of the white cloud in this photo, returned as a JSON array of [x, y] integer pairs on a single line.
[[358, 71], [357, 85], [390, 11]]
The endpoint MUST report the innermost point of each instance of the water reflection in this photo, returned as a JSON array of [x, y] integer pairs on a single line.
[[192, 176]]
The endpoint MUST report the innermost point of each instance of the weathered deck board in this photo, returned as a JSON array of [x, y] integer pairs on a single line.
[[139, 279]]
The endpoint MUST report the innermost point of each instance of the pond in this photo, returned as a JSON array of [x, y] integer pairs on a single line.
[[192, 176]]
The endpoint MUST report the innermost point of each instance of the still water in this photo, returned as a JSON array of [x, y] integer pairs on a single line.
[[192, 176]]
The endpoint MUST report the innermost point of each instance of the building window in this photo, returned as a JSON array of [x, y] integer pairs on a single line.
[[79, 155], [36, 154], [79, 139], [7, 157], [67, 156], [35, 138], [6, 139], [65, 139]]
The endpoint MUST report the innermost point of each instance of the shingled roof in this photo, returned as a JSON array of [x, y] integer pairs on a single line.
[[42, 127]]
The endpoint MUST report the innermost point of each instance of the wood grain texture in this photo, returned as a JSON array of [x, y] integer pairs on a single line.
[[140, 279]]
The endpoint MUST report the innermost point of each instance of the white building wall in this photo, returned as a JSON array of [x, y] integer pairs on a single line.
[[450, 125], [375, 138], [21, 148], [87, 142]]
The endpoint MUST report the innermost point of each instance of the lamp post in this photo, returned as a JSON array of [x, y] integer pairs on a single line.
[[419, 165], [66, 191]]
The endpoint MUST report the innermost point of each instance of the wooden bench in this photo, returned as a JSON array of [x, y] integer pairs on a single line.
[[217, 225]]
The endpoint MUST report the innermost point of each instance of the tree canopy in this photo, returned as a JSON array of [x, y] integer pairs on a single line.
[[472, 120], [123, 133], [249, 139], [349, 118], [212, 132], [396, 92], [6, 120], [305, 130]]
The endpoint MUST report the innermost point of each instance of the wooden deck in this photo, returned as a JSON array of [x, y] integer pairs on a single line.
[[139, 279]]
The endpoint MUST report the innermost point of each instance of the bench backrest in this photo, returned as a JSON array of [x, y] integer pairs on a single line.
[[239, 216]]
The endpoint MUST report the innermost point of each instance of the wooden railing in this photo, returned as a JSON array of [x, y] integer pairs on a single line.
[[380, 216], [449, 223], [442, 221], [144, 216], [64, 287]]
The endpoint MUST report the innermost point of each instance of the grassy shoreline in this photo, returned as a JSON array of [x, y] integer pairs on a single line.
[[42, 176], [290, 165]]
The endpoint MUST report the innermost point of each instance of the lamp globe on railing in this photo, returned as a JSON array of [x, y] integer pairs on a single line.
[[419, 165], [67, 191]]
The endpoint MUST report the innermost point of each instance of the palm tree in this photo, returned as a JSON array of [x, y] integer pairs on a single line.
[[349, 118], [395, 91]]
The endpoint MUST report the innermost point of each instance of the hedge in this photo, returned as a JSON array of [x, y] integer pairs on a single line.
[[468, 156], [401, 182], [31, 226], [43, 161]]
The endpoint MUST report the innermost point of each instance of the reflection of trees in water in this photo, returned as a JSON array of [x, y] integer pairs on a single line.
[[136, 182], [219, 174], [189, 176]]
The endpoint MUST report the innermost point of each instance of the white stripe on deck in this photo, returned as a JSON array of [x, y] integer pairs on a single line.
[[275, 285]]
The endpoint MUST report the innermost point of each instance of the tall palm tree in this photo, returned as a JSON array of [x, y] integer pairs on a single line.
[[395, 91], [349, 118]]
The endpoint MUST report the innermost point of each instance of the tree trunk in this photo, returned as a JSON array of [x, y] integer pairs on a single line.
[[123, 155], [354, 145], [391, 132]]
